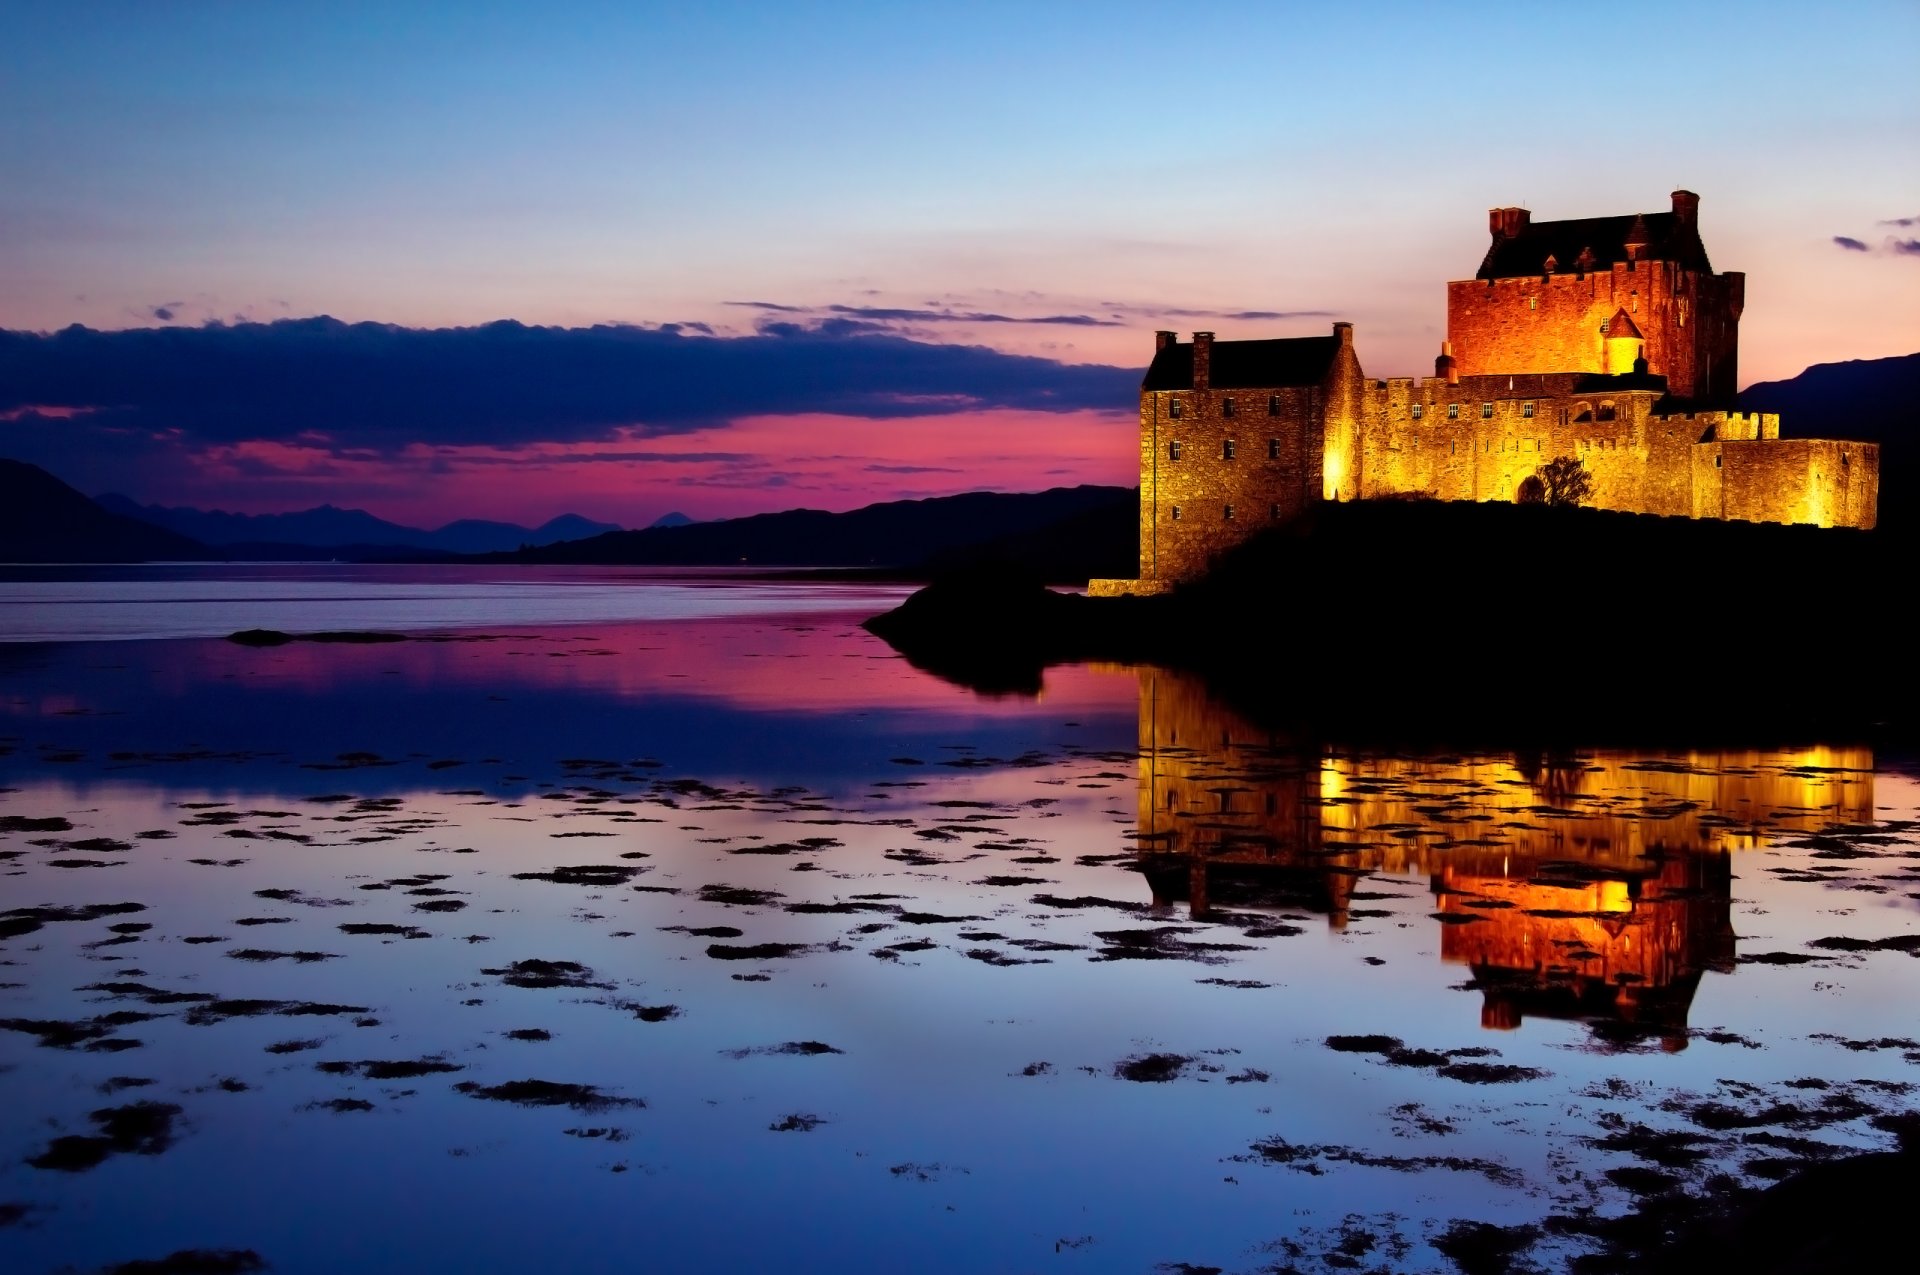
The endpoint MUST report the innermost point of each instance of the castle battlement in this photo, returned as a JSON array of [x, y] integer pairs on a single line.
[[1606, 339]]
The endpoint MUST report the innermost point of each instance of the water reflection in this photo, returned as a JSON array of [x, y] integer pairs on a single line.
[[1594, 886]]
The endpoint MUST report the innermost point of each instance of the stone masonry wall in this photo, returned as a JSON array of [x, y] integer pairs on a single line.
[[1822, 481], [1556, 323]]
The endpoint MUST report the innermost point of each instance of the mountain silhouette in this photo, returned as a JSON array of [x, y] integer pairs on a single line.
[[1055, 533], [44, 520], [330, 527]]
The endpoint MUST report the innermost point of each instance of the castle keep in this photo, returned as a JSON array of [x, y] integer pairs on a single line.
[[1607, 339]]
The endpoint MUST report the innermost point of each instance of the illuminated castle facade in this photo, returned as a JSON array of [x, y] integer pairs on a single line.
[[1607, 339]]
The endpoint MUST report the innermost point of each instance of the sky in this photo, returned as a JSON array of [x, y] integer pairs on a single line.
[[512, 260]]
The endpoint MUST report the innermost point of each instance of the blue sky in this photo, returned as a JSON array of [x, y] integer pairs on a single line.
[[433, 165]]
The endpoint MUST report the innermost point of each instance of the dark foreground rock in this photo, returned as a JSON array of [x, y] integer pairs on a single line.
[[1434, 618], [1844, 1215]]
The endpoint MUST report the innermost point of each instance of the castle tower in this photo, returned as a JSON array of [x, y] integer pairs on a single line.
[[1592, 294]]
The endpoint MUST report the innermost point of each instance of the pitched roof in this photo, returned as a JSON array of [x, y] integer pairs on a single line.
[[1247, 365], [1622, 324], [1666, 238]]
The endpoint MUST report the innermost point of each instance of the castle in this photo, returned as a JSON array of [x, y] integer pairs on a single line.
[[1606, 339]]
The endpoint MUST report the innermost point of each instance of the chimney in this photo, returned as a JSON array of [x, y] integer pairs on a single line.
[[1444, 367], [1686, 207], [1344, 333], [1508, 223], [1161, 340], [1202, 360]]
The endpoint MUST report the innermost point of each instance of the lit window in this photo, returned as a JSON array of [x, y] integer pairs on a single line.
[[1453, 411], [1603, 329], [1226, 450], [1173, 451], [1273, 449], [1226, 407], [1419, 410], [1486, 411], [1533, 303], [1526, 410], [1173, 409], [1176, 513], [1273, 405], [1229, 513]]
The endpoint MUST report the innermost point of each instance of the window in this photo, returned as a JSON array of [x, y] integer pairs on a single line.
[[1486, 411], [1229, 513], [1173, 451], [1173, 409], [1603, 329], [1273, 449], [1176, 513], [1606, 411], [1526, 410], [1226, 407], [1533, 303], [1453, 411], [1716, 462], [1273, 405], [1226, 450], [1419, 410], [1273, 510]]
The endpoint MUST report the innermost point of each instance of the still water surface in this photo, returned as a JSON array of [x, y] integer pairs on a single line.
[[824, 964]]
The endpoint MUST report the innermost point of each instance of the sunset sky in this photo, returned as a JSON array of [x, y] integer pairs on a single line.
[[726, 258]]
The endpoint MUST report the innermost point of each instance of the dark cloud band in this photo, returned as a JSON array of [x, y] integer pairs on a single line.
[[380, 387]]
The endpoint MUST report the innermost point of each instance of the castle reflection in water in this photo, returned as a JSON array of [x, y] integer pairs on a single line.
[[1595, 887]]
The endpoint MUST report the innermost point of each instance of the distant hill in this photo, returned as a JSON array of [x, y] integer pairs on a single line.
[[674, 519], [1872, 400], [332, 528], [44, 520], [1068, 526]]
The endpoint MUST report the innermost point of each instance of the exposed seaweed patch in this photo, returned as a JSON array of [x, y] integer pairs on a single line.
[[1151, 1069], [798, 1122], [795, 1048], [139, 1128], [1308, 1159], [755, 951], [600, 874], [260, 955], [738, 896], [194, 1261], [394, 1069], [541, 974], [384, 928], [915, 1172], [548, 1093], [1162, 943]]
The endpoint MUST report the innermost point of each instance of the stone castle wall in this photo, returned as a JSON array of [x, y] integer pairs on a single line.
[[1535, 368], [1818, 480], [1689, 325], [1199, 496]]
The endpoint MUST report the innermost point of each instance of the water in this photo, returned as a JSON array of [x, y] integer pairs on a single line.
[[801, 881]]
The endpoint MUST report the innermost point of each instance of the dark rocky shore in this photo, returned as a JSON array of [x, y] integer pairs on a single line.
[[1436, 619]]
